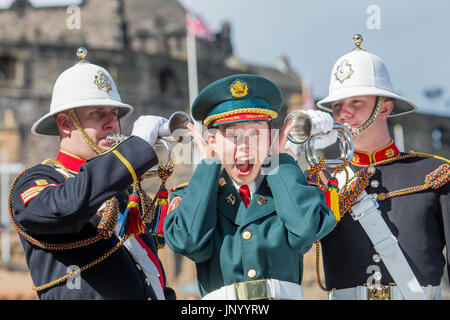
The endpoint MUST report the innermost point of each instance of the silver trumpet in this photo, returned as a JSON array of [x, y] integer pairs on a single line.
[[176, 126], [301, 133]]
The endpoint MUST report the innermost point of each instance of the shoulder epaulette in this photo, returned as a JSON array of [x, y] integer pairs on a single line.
[[429, 155], [179, 186]]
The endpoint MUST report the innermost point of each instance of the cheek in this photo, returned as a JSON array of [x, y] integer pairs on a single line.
[[225, 149], [260, 146], [90, 125], [363, 116], [116, 124], [92, 133]]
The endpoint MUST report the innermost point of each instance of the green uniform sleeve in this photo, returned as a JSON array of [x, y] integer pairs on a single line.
[[189, 228], [301, 206]]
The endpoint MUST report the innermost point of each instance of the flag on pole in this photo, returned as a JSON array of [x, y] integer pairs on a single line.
[[197, 28], [308, 100]]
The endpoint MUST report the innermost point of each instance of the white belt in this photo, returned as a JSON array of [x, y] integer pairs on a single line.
[[393, 293], [258, 289], [147, 266]]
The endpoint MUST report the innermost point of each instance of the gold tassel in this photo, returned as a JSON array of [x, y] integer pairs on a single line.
[[332, 198]]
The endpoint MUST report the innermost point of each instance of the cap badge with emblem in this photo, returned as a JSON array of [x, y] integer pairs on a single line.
[[343, 71], [239, 89], [102, 81]]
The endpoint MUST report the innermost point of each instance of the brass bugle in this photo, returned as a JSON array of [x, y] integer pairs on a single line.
[[175, 129], [301, 133]]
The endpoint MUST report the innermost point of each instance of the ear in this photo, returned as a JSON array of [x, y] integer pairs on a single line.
[[387, 105], [64, 123], [211, 138]]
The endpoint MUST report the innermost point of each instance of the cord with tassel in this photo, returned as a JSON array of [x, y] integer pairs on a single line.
[[156, 225], [132, 223], [332, 197]]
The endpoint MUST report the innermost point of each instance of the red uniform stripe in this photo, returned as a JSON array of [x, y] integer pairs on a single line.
[[152, 257]]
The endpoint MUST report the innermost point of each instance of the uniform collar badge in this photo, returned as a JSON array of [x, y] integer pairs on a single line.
[[364, 159], [231, 199], [343, 71], [262, 200], [386, 152], [102, 81], [222, 182], [239, 89]]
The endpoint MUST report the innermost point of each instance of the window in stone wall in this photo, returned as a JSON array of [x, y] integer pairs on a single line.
[[7, 69], [109, 67], [167, 81], [436, 138]]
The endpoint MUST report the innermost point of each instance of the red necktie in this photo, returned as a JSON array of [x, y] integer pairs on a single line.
[[244, 191]]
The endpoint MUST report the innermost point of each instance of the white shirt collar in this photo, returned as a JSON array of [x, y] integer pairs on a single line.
[[252, 186]]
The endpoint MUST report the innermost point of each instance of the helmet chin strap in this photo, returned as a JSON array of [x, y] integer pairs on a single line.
[[369, 121], [87, 139]]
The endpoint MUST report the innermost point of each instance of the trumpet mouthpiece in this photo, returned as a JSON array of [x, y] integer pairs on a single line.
[[115, 138]]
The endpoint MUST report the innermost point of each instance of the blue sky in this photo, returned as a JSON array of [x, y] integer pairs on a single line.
[[412, 39]]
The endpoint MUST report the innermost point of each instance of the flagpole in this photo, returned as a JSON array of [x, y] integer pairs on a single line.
[[308, 100], [192, 67], [193, 87]]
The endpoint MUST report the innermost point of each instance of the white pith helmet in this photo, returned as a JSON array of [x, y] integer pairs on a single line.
[[360, 73], [82, 85]]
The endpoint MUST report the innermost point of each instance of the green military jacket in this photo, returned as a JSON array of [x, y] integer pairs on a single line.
[[231, 243]]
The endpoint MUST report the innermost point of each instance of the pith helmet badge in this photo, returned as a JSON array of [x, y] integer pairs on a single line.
[[102, 81], [343, 71]]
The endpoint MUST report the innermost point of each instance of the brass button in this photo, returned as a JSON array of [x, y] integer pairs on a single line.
[[251, 273], [246, 235], [376, 258]]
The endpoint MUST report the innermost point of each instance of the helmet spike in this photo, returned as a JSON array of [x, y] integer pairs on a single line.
[[357, 40], [82, 53]]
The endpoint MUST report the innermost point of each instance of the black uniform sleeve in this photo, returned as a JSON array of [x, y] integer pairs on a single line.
[[66, 205]]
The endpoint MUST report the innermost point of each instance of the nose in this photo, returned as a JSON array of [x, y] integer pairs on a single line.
[[342, 113], [243, 143], [112, 122]]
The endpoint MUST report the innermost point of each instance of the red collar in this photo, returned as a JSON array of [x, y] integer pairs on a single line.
[[361, 158], [71, 162]]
